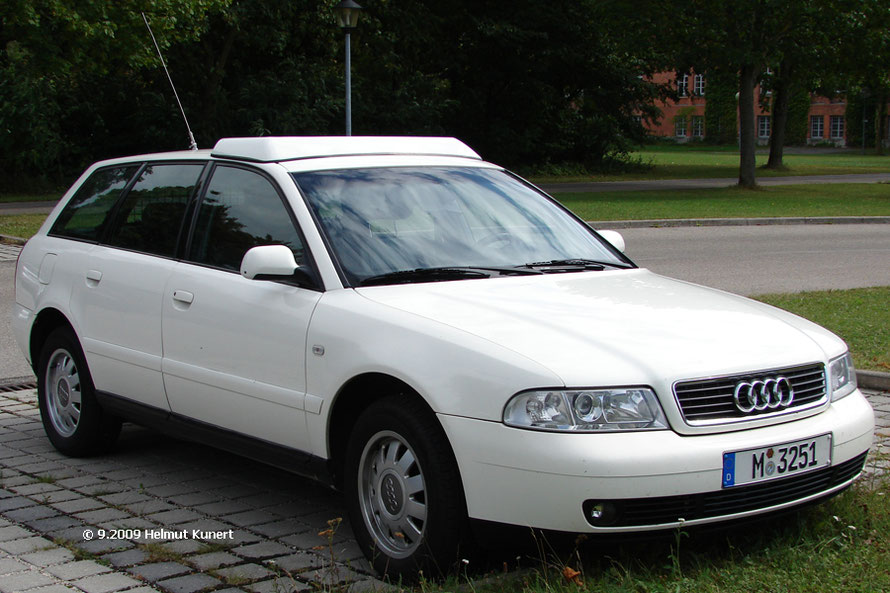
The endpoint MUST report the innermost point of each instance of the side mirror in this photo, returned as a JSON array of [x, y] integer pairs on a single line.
[[615, 238], [268, 260]]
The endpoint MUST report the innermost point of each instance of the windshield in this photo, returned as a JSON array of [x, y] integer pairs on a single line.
[[381, 221]]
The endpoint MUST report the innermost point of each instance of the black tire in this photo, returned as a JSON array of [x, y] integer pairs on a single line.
[[404, 491], [72, 418]]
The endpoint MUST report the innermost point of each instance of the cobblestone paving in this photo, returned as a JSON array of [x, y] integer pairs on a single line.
[[9, 252], [175, 517], [161, 515], [880, 457]]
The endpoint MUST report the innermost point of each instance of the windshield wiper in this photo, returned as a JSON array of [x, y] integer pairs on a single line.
[[570, 265], [426, 275]]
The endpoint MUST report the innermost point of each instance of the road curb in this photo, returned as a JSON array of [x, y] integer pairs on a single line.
[[708, 222], [12, 240], [873, 380]]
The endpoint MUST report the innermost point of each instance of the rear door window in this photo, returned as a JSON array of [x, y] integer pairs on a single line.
[[86, 215], [150, 218]]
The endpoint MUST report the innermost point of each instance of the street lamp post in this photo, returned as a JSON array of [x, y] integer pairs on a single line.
[[347, 16]]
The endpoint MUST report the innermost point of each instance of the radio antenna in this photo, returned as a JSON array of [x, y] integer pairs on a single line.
[[192, 144]]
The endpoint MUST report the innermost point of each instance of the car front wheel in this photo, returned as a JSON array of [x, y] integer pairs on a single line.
[[404, 491], [72, 418]]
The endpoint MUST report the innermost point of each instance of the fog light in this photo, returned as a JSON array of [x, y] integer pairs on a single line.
[[600, 513]]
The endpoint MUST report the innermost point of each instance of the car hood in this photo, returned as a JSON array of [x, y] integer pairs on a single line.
[[618, 327]]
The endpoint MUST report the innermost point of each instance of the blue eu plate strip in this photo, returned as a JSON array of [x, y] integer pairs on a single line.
[[728, 469]]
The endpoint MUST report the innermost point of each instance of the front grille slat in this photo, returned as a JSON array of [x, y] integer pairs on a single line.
[[712, 401], [740, 499]]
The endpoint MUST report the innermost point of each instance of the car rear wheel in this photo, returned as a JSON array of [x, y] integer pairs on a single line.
[[72, 418], [404, 491]]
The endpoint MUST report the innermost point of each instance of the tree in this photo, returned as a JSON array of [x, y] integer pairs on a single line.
[[733, 36], [805, 51], [524, 82], [864, 66], [51, 51]]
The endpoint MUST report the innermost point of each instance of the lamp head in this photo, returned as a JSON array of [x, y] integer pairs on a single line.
[[347, 14]]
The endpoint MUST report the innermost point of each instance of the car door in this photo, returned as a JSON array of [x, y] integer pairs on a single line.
[[234, 349], [118, 301]]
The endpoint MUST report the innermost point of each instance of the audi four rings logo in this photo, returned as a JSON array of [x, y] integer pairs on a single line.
[[762, 394]]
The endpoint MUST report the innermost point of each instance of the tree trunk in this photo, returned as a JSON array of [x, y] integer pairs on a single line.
[[747, 76], [781, 101], [880, 123]]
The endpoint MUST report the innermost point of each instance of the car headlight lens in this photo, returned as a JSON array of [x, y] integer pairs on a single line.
[[594, 410], [841, 376]]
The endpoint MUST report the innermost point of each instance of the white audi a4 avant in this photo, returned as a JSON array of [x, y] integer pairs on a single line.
[[429, 333]]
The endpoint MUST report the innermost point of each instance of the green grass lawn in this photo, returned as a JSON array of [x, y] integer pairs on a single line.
[[698, 162], [776, 201], [21, 225], [41, 197], [840, 546], [859, 316]]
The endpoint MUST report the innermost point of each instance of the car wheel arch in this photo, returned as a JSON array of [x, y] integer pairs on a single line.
[[353, 398], [45, 323]]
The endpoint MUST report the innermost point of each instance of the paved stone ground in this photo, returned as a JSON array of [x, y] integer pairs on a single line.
[[9, 252], [59, 517]]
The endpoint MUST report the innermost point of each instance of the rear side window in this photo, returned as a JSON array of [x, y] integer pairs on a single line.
[[87, 213], [241, 209], [150, 218]]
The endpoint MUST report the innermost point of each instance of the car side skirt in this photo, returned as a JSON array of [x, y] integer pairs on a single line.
[[183, 427]]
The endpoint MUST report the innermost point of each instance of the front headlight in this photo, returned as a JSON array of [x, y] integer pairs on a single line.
[[588, 410], [841, 376]]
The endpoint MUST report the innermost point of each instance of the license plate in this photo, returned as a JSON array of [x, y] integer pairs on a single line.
[[776, 461]]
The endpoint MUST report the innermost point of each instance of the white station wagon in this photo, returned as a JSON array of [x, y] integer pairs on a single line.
[[428, 332]]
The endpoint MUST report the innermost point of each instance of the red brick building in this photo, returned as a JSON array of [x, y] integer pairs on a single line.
[[684, 119]]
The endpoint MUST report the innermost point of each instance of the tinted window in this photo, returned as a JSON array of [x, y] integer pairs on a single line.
[[151, 216], [240, 210], [86, 214]]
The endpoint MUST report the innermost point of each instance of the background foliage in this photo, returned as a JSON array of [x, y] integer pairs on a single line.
[[523, 82], [529, 84]]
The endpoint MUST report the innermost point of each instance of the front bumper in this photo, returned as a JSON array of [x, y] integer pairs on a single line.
[[542, 479]]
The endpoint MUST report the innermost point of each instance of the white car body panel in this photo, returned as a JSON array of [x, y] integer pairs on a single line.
[[613, 328], [118, 316], [244, 371], [451, 369]]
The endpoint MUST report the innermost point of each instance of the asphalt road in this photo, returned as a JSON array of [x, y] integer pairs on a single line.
[[747, 260], [12, 363], [752, 260]]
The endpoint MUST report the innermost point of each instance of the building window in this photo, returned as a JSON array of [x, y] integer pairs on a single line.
[[683, 85], [817, 123], [698, 126], [766, 84], [638, 119], [837, 126], [680, 126], [698, 85], [763, 126]]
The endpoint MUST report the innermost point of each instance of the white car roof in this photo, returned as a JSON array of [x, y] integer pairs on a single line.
[[269, 149]]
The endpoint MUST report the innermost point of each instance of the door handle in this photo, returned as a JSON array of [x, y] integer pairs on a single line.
[[93, 277], [183, 296]]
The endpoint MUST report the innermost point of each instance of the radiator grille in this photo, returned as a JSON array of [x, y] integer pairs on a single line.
[[711, 401]]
